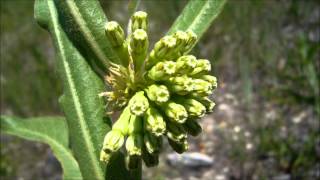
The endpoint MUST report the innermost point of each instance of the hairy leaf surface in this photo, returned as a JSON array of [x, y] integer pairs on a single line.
[[83, 108], [83, 21]]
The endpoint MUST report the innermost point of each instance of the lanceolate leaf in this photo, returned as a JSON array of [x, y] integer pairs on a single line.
[[83, 108], [50, 130], [83, 21], [198, 16]]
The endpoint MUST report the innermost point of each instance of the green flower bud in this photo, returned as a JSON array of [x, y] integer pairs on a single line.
[[192, 39], [114, 33], [165, 46], [186, 64], [202, 87], [134, 145], [139, 41], [139, 20], [181, 38], [139, 46], [123, 122], [181, 85], [138, 104], [206, 102], [158, 93], [163, 49], [175, 132], [210, 79], [113, 141], [202, 66], [116, 37], [193, 107], [154, 122], [150, 160], [105, 157], [152, 143], [162, 70], [192, 127], [135, 125], [179, 147], [175, 112]]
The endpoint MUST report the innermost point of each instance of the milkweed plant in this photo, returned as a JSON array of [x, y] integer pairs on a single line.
[[159, 91], [160, 94]]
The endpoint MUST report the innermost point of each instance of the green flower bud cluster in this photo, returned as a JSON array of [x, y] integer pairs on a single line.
[[160, 94]]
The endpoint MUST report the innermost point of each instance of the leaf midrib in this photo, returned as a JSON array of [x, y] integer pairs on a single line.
[[86, 135], [86, 31], [199, 14]]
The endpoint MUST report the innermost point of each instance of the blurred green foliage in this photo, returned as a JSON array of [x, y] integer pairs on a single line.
[[265, 52], [29, 84]]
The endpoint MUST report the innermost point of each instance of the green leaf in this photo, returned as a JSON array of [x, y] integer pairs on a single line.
[[197, 16], [50, 130], [83, 21], [83, 108]]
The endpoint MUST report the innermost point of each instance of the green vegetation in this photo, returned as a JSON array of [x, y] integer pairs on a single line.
[[264, 53]]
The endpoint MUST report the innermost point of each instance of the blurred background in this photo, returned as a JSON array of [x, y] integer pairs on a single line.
[[265, 54]]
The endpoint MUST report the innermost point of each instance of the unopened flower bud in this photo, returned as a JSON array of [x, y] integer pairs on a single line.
[[116, 37], [152, 143], [158, 93], [163, 49], [181, 38], [193, 107], [192, 127], [123, 122], [138, 103], [113, 141], [202, 66], [165, 46], [210, 79], [192, 39], [135, 125], [181, 85], [150, 160], [175, 132], [154, 122], [206, 102], [134, 145], [139, 20], [114, 33], [202, 87], [162, 70], [179, 147], [139, 46], [139, 42], [186, 64], [175, 112], [105, 157]]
